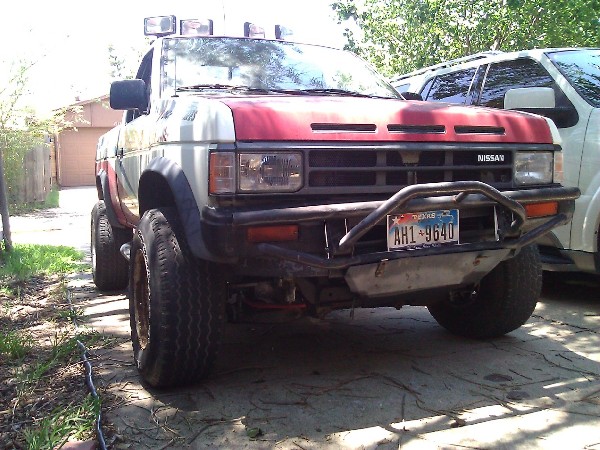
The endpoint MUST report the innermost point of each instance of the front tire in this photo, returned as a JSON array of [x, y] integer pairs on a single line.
[[109, 267], [503, 301], [176, 303]]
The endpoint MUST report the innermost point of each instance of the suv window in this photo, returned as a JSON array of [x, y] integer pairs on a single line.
[[582, 69], [507, 75], [452, 87]]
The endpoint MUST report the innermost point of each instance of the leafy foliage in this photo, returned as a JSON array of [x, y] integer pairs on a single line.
[[123, 60], [398, 36]]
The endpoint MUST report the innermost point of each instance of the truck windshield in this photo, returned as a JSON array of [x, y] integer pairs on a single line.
[[266, 65], [582, 69]]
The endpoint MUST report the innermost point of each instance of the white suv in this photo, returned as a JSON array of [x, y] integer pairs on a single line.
[[562, 84]]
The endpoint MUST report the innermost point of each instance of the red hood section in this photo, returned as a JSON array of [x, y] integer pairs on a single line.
[[324, 118]]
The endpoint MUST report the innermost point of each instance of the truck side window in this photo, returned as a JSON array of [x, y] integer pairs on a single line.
[[507, 75], [451, 87]]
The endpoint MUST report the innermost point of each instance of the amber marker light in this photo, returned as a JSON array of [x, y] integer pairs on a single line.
[[541, 209], [272, 233], [221, 173]]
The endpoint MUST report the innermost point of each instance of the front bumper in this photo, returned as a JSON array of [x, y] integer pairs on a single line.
[[223, 229]]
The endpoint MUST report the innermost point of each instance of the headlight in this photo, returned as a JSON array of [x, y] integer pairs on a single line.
[[534, 168], [270, 172]]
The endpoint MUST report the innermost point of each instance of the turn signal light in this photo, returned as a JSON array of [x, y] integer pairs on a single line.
[[221, 173], [272, 233], [541, 209]]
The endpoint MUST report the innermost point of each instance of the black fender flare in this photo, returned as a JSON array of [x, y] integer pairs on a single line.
[[110, 209], [181, 196]]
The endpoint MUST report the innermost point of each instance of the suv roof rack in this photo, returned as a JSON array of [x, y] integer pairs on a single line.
[[449, 63]]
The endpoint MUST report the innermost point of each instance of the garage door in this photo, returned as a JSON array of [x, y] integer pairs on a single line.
[[76, 155]]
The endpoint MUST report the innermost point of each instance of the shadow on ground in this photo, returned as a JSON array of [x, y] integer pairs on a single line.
[[382, 379]]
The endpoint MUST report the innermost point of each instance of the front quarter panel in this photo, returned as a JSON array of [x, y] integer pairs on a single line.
[[180, 130], [587, 210]]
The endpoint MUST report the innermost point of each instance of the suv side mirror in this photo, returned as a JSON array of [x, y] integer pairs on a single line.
[[542, 101], [129, 94], [530, 97]]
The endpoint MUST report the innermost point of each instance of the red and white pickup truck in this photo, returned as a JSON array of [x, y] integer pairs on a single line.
[[254, 174]]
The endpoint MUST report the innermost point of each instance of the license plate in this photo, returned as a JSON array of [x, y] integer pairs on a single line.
[[422, 230]]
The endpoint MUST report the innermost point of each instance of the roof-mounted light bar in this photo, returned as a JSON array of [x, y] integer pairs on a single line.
[[196, 27], [252, 30], [159, 26]]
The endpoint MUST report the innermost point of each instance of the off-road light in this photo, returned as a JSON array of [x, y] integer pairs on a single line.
[[196, 27], [252, 30], [282, 32], [159, 25]]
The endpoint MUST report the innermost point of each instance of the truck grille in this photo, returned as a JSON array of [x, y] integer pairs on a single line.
[[385, 170]]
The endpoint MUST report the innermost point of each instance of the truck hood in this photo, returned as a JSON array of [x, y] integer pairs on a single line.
[[326, 118]]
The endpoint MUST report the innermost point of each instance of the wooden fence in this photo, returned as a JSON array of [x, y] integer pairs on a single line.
[[37, 179]]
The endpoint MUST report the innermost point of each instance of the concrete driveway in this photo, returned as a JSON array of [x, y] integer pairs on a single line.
[[384, 379], [69, 224]]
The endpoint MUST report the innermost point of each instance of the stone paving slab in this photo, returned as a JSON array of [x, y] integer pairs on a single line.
[[384, 379]]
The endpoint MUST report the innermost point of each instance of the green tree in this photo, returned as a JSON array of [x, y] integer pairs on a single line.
[[20, 130], [398, 36], [123, 61]]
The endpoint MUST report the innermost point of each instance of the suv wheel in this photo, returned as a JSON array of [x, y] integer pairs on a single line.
[[503, 301], [109, 267], [176, 303]]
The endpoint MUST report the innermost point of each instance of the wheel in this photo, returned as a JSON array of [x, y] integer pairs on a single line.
[[503, 301], [109, 267], [176, 303]]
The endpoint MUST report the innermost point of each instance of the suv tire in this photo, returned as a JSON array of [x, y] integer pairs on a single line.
[[503, 301], [109, 267], [176, 303]]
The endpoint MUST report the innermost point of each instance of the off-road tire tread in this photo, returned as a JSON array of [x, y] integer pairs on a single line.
[[110, 268], [507, 297], [187, 300]]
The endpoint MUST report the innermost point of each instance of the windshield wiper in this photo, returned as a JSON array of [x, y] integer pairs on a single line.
[[241, 88], [333, 91], [218, 86]]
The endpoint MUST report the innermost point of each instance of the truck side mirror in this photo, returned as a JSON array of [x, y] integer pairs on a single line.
[[542, 101], [129, 95]]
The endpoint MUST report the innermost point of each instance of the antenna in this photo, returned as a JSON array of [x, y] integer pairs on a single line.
[[223, 6]]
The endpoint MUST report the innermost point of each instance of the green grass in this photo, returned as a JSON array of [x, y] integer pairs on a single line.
[[28, 260], [14, 344], [76, 422], [34, 363], [71, 315], [64, 350]]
